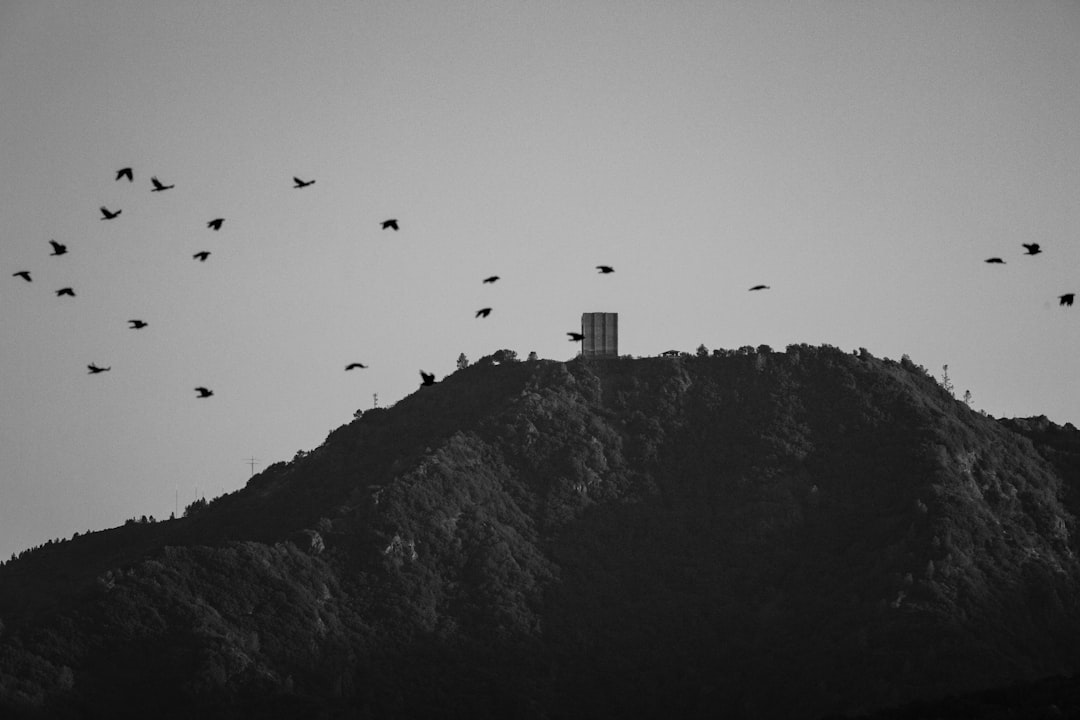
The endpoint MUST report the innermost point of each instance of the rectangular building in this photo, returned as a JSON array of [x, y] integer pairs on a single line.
[[601, 331]]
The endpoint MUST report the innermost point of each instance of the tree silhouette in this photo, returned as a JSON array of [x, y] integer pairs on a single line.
[[945, 381]]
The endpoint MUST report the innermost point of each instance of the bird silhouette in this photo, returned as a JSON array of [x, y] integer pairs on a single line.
[[605, 269], [353, 366], [575, 337], [24, 274], [109, 214], [65, 291], [215, 224], [137, 324], [391, 223], [759, 287], [300, 183], [158, 187], [94, 369], [204, 392], [483, 312], [995, 261], [1066, 299], [125, 172], [201, 256], [428, 378], [491, 279], [58, 249], [1032, 248]]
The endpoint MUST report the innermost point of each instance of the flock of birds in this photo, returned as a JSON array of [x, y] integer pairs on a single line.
[[1065, 299], [215, 224], [127, 173]]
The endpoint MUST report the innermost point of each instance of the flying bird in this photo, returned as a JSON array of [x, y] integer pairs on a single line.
[[353, 366], [94, 369], [1032, 248], [65, 291], [575, 337], [204, 392], [215, 224], [125, 172], [137, 324], [391, 223], [301, 183], [759, 287], [491, 279], [995, 261], [24, 274], [109, 214], [605, 269], [1066, 299], [158, 187], [428, 378], [483, 312], [58, 249], [201, 256]]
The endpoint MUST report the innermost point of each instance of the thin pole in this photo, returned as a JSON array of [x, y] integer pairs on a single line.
[[251, 461]]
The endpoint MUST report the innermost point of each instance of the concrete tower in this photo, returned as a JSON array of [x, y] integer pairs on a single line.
[[601, 331]]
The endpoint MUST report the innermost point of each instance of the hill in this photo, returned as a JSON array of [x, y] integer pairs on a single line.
[[753, 534]]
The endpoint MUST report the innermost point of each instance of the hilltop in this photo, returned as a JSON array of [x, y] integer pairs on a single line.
[[752, 534]]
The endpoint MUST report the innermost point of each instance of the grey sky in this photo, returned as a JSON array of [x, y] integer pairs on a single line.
[[862, 159]]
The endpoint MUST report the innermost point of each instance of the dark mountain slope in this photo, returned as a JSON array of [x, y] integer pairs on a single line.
[[754, 535]]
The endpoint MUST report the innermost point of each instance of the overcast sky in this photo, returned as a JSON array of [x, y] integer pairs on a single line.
[[861, 159]]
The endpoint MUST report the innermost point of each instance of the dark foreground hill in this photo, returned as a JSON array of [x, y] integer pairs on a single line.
[[760, 535]]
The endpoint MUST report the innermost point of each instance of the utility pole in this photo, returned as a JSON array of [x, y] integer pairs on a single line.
[[251, 461], [375, 399]]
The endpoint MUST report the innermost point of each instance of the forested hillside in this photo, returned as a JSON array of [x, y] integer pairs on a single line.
[[754, 534]]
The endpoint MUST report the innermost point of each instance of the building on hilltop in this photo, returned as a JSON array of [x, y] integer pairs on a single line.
[[601, 331]]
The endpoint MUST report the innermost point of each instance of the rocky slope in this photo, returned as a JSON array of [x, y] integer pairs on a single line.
[[754, 534]]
